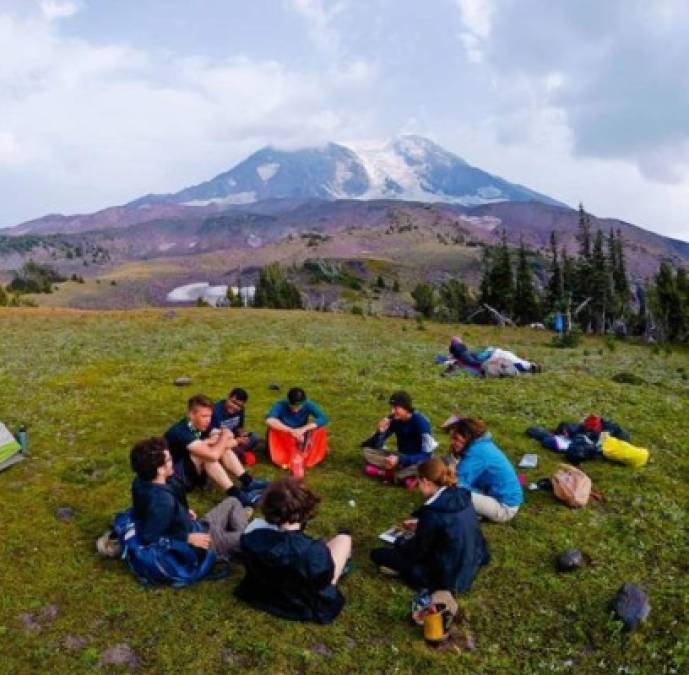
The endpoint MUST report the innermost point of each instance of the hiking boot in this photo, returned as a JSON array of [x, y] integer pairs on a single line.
[[108, 545], [255, 484], [249, 497]]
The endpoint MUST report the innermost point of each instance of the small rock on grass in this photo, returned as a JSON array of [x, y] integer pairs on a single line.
[[322, 650], [570, 560], [73, 643], [33, 622], [120, 655], [65, 513], [274, 387], [631, 605], [182, 381]]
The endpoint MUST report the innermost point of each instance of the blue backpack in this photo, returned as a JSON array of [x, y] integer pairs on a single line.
[[166, 562]]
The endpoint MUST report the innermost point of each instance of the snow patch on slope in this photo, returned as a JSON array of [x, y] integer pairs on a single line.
[[267, 171], [237, 198]]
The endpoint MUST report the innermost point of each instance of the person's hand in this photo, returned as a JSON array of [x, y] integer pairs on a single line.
[[192, 515], [391, 461], [298, 434], [384, 425], [199, 539]]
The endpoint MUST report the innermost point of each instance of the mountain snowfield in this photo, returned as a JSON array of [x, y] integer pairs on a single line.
[[410, 168]]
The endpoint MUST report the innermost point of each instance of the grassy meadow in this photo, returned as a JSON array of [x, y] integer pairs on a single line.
[[89, 384]]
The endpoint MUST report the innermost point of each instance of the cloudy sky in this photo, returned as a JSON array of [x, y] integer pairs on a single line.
[[103, 101]]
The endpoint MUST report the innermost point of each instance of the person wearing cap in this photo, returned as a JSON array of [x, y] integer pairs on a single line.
[[297, 425], [415, 443]]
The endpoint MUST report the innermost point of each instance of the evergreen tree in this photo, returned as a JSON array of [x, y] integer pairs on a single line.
[[234, 299], [526, 309], [396, 286], [3, 297], [600, 284], [497, 289], [555, 291], [380, 283], [668, 301], [274, 290], [620, 278], [424, 299], [454, 300], [584, 234]]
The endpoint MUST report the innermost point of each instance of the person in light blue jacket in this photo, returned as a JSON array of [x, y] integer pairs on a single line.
[[484, 469]]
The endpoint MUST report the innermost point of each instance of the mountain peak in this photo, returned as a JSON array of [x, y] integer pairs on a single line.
[[410, 167]]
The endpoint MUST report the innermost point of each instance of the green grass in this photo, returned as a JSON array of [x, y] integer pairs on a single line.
[[89, 384]]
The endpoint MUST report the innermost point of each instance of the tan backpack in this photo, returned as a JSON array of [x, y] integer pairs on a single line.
[[571, 485]]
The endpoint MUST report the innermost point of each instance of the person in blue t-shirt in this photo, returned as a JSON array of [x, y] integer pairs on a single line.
[[228, 413], [485, 470], [291, 429], [415, 442]]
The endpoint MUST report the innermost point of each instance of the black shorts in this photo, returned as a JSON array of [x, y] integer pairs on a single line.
[[186, 471]]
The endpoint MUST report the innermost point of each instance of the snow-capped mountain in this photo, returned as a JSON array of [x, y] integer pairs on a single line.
[[409, 168]]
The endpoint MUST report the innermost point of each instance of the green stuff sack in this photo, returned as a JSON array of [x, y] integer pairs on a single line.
[[620, 451]]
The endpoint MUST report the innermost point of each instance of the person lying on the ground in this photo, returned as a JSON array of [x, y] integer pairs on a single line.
[[291, 429], [579, 441], [484, 469], [447, 548], [229, 413], [200, 452], [415, 442], [491, 361], [288, 573], [161, 509]]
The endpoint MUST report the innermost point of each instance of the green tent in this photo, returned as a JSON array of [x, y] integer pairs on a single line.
[[10, 450]]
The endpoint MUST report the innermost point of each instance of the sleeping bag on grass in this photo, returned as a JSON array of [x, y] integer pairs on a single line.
[[620, 451]]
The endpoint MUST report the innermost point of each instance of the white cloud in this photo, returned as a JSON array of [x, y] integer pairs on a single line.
[[95, 125], [58, 9], [320, 16], [477, 18]]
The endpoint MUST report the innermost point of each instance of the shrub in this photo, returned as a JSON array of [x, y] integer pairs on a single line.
[[627, 378], [569, 340]]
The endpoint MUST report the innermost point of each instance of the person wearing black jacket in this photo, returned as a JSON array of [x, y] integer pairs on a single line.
[[288, 573], [161, 509], [447, 548]]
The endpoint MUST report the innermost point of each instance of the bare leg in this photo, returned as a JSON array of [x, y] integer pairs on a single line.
[[340, 549], [214, 471], [231, 462]]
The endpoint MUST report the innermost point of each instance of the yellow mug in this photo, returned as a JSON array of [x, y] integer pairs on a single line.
[[433, 628]]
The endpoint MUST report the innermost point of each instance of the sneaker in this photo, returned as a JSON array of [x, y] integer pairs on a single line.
[[373, 471], [249, 497], [255, 484], [108, 545]]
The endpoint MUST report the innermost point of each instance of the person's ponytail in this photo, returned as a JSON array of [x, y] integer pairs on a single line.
[[436, 471]]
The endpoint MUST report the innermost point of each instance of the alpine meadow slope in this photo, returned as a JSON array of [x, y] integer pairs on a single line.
[[88, 384]]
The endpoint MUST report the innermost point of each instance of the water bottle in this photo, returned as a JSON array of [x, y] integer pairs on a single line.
[[23, 439], [297, 465]]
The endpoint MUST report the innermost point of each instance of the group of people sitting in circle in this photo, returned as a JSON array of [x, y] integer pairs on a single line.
[[288, 572]]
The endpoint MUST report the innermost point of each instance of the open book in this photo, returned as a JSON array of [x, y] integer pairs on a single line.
[[392, 534]]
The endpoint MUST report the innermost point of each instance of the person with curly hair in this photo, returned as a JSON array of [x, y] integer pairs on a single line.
[[289, 573]]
